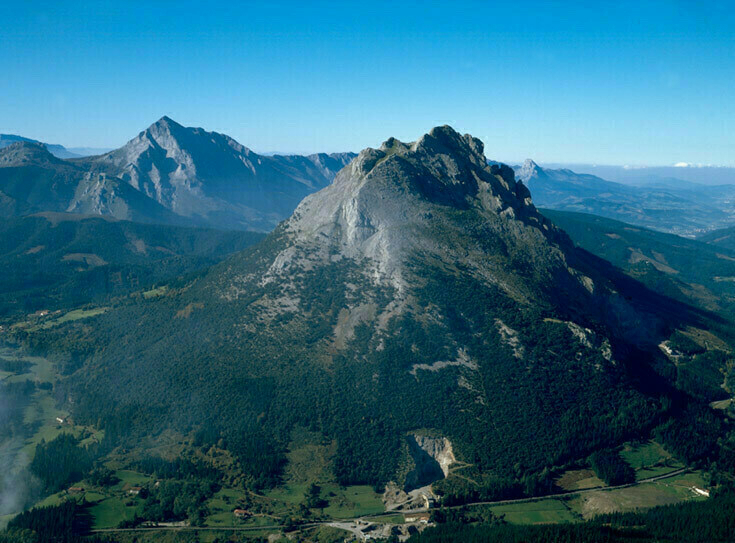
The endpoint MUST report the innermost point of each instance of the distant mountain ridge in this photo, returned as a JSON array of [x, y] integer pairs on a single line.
[[58, 151], [700, 272], [656, 175], [167, 174], [33, 180], [212, 178], [57, 260], [683, 209]]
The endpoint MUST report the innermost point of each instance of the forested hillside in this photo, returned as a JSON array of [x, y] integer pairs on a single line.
[[420, 291], [723, 238], [695, 272], [57, 260]]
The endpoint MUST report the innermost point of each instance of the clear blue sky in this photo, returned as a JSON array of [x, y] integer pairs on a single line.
[[606, 82]]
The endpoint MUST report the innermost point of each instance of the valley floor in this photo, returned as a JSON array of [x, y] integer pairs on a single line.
[[359, 511]]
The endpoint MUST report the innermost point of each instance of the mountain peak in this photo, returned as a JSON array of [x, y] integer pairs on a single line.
[[445, 138], [164, 125], [210, 177], [529, 170], [441, 142], [166, 120], [385, 193], [23, 152], [442, 166]]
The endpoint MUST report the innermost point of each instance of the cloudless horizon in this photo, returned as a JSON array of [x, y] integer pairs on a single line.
[[610, 83]]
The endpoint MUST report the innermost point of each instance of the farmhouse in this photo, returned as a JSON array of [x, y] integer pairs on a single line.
[[241, 513], [135, 490], [75, 489], [701, 491]]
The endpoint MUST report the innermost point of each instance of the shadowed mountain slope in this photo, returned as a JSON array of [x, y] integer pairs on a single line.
[[693, 271], [60, 260]]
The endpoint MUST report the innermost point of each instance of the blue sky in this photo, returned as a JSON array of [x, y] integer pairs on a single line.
[[603, 82]]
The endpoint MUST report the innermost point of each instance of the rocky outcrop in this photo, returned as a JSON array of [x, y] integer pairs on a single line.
[[384, 204], [212, 177], [188, 175], [432, 457], [33, 180]]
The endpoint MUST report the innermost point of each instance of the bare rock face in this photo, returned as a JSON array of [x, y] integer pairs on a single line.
[[34, 180], [439, 449], [212, 177], [386, 203], [432, 457], [528, 170]]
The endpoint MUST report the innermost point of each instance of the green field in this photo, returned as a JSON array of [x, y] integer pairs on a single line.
[[108, 512], [108, 507], [536, 512], [348, 502], [41, 370], [646, 495], [579, 479], [222, 504], [649, 459], [53, 499], [309, 461], [130, 478], [74, 315], [352, 501], [344, 502]]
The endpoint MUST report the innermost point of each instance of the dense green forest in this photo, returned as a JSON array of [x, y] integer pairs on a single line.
[[61, 260], [62, 461], [261, 388], [611, 468], [722, 239], [692, 271], [64, 523]]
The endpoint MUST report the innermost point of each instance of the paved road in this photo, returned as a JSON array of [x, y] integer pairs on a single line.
[[570, 493], [201, 528], [392, 512]]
